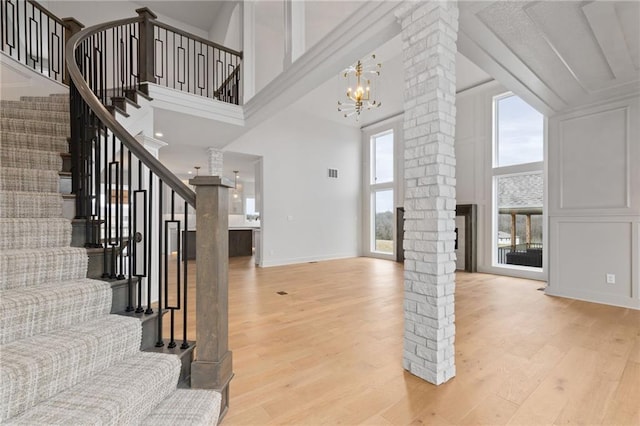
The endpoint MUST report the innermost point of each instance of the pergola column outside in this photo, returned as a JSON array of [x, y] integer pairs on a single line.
[[513, 231]]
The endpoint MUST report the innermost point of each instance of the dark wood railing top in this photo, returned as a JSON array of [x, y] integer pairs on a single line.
[[107, 119], [197, 38], [229, 79], [46, 12]]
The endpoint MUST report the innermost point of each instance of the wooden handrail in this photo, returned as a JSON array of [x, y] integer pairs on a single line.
[[108, 120], [233, 75], [197, 38], [47, 12]]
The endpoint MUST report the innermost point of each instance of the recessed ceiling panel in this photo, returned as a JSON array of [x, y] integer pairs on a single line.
[[511, 24], [564, 27], [628, 13]]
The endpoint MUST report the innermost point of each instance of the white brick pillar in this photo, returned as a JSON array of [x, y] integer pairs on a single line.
[[216, 162], [429, 33]]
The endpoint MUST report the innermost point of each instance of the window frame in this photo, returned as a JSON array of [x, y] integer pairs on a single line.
[[369, 187], [494, 173]]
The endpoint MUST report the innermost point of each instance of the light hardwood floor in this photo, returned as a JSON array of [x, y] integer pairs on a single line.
[[330, 352]]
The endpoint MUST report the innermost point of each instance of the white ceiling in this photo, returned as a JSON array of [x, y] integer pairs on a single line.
[[557, 55], [322, 101]]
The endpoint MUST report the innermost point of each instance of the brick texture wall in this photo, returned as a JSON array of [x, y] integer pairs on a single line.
[[429, 33], [216, 161]]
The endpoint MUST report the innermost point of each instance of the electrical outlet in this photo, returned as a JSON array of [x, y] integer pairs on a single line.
[[611, 278]]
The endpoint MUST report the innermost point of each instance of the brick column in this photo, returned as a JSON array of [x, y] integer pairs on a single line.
[[216, 162], [429, 33]]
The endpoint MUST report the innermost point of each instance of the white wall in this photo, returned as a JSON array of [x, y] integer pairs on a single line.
[[594, 203], [305, 215], [269, 42], [18, 80]]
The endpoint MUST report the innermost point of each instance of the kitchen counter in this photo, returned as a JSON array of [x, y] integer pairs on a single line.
[[241, 241]]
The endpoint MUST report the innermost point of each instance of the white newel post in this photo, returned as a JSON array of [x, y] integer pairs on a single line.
[[429, 34]]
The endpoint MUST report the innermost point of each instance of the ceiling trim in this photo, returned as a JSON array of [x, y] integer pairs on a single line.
[[468, 47], [610, 38]]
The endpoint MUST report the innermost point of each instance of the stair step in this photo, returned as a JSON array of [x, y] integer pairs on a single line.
[[30, 204], [47, 128], [186, 356], [124, 394], [18, 179], [17, 140], [196, 407], [38, 106], [30, 159], [43, 366], [25, 233], [56, 98], [37, 115], [30, 267], [28, 312]]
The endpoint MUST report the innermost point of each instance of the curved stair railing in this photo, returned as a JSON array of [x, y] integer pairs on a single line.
[[135, 210]]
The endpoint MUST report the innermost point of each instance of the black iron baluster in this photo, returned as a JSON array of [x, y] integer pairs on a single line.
[[130, 234], [149, 309], [121, 236], [185, 260], [106, 238], [160, 342], [172, 309], [140, 236]]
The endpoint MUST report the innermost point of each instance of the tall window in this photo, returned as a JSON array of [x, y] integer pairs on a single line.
[[381, 191], [518, 183]]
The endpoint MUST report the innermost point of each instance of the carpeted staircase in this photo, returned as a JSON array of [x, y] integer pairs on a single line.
[[63, 358]]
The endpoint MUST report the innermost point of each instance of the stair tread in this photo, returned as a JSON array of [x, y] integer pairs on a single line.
[[41, 366], [123, 394], [23, 233], [31, 311], [187, 407], [19, 125], [21, 179], [30, 158], [37, 115], [30, 204], [61, 98], [27, 267], [21, 140], [35, 106]]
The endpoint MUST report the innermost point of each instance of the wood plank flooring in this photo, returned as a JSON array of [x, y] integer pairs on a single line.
[[330, 352]]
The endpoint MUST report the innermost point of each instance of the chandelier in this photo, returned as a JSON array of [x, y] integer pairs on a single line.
[[360, 78]]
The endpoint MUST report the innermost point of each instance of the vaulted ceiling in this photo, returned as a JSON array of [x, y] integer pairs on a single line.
[[556, 54]]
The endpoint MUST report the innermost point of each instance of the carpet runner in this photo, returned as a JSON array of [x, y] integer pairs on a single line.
[[63, 358]]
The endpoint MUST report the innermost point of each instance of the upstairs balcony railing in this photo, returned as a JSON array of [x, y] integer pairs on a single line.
[[35, 37], [145, 50]]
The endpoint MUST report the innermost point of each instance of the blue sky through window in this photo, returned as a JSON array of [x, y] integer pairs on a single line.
[[384, 158], [520, 132]]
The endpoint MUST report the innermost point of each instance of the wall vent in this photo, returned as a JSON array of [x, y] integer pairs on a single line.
[[333, 173]]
